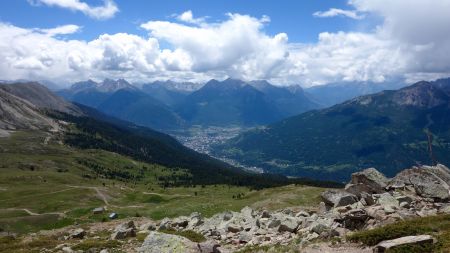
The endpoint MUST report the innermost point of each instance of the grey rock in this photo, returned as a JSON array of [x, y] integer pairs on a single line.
[[274, 223], [402, 198], [357, 189], [150, 226], [302, 214], [245, 237], [234, 228], [373, 180], [123, 233], [402, 241], [354, 219], [209, 247], [157, 242], [428, 181], [288, 224], [317, 227], [124, 230], [387, 200], [67, 250], [322, 208], [265, 214], [180, 222], [445, 209], [165, 223], [125, 225], [338, 198], [78, 233], [248, 212]]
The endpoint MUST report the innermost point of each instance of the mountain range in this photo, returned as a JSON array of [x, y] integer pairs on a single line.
[[336, 93], [32, 108], [166, 105], [388, 130]]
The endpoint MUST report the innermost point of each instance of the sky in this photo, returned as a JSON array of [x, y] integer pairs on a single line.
[[286, 41]]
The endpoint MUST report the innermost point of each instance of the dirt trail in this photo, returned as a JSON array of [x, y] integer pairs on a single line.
[[36, 195], [31, 213], [100, 194], [169, 195], [340, 248]]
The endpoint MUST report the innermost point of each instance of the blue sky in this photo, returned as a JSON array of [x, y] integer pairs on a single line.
[[290, 16], [286, 41]]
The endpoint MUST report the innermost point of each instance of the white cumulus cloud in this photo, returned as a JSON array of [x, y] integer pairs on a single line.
[[105, 11], [412, 42], [61, 30], [188, 17], [333, 12]]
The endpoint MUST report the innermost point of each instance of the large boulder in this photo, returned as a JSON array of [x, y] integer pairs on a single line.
[[338, 198], [354, 219], [427, 181], [385, 246], [288, 224], [157, 242], [124, 230], [386, 200], [78, 233], [369, 180]]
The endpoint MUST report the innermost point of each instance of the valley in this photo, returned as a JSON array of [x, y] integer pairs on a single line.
[[48, 186], [203, 139]]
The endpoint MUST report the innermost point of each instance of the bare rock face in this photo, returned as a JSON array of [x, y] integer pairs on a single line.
[[338, 198], [428, 181], [157, 242], [370, 180], [78, 233], [402, 241], [124, 230]]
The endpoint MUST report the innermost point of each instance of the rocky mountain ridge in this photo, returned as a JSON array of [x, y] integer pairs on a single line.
[[369, 200], [387, 130]]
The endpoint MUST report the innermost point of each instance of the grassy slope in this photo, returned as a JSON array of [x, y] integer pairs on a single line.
[[51, 180], [332, 143], [438, 226]]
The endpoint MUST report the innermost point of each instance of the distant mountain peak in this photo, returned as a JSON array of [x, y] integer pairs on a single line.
[[421, 94], [89, 84], [110, 85]]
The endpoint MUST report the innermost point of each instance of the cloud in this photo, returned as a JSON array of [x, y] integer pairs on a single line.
[[61, 30], [333, 12], [238, 47], [105, 11], [412, 42], [420, 27], [188, 17]]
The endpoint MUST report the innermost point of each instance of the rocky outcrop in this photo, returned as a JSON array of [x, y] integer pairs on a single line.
[[124, 230], [369, 200], [371, 179], [384, 246], [337, 198], [78, 233], [157, 242], [427, 181]]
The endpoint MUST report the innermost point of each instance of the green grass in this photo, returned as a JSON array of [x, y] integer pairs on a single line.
[[13, 245], [438, 226], [189, 234], [30, 178]]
